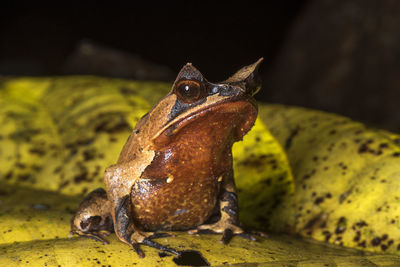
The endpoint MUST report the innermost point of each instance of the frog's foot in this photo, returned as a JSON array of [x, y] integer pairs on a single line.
[[146, 238], [96, 235], [228, 230]]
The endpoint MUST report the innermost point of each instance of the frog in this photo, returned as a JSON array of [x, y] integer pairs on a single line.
[[175, 172]]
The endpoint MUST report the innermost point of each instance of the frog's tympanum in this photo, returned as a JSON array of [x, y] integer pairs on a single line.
[[175, 170]]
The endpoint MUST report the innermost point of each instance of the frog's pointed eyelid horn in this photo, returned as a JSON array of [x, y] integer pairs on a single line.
[[247, 77], [189, 72]]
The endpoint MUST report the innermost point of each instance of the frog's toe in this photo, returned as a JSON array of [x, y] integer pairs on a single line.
[[160, 235], [201, 231], [153, 244], [98, 236], [146, 238], [228, 231]]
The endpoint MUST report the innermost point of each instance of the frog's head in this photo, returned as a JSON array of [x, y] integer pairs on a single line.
[[196, 107], [193, 100]]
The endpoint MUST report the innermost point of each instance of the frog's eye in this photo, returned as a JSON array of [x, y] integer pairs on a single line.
[[188, 91]]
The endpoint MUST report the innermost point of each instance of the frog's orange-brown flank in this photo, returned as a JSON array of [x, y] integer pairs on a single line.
[[175, 171]]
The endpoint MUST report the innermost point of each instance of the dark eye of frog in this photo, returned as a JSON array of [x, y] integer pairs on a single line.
[[189, 91]]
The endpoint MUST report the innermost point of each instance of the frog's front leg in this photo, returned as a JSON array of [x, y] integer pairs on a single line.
[[228, 224], [93, 218], [119, 181]]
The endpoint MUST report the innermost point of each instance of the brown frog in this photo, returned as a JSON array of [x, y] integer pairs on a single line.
[[175, 170]]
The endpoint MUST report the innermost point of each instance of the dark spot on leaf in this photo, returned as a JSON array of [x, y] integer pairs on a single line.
[[111, 123], [57, 169], [81, 177], [327, 235], [125, 90], [375, 241], [63, 184], [36, 168], [383, 145], [384, 247], [312, 223], [267, 181], [20, 165], [24, 135], [396, 154], [25, 177], [341, 225], [361, 224], [319, 200], [289, 140], [363, 148], [357, 237], [89, 154], [112, 139], [307, 176], [343, 196], [332, 132], [40, 151], [85, 142], [362, 244]]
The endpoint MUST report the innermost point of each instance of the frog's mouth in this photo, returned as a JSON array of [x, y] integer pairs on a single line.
[[240, 111]]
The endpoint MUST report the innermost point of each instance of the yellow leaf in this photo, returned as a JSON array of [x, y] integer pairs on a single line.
[[347, 179], [59, 134]]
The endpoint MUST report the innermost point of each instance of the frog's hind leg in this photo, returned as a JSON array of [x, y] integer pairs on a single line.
[[119, 185], [93, 218], [228, 223], [128, 233]]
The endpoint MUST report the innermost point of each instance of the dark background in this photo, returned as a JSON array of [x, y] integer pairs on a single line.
[[338, 56]]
